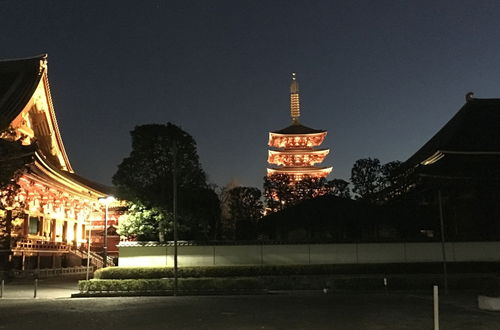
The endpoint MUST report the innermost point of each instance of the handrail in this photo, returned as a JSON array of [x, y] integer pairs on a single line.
[[49, 272], [41, 245]]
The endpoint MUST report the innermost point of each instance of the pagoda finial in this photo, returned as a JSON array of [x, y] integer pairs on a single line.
[[294, 99]]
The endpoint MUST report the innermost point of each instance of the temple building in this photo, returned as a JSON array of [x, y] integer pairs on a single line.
[[295, 148], [453, 180], [46, 209]]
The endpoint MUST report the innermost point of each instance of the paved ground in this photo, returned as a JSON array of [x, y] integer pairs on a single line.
[[312, 310], [47, 288]]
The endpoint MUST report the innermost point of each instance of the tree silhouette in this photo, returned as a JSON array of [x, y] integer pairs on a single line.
[[146, 177], [245, 208], [281, 190], [366, 177], [339, 188]]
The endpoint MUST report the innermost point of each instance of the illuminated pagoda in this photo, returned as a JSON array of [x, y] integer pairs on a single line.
[[295, 148], [44, 223]]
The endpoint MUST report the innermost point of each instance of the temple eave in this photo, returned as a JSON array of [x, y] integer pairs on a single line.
[[300, 170], [274, 134], [287, 152]]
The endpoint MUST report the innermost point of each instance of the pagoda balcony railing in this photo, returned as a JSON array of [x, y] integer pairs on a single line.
[[30, 244]]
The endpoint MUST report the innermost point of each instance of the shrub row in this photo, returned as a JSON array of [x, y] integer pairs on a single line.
[[184, 284], [295, 282], [280, 270]]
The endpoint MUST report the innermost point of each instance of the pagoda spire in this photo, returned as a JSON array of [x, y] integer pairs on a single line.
[[294, 99]]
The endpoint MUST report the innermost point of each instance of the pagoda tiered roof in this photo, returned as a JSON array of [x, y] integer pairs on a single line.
[[298, 129], [298, 157], [295, 145]]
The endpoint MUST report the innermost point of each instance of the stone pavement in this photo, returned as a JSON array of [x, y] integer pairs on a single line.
[[50, 288], [292, 310]]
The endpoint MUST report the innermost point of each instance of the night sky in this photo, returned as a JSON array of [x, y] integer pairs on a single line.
[[381, 76]]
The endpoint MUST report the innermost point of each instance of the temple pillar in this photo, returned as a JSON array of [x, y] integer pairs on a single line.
[[26, 225], [53, 230], [23, 261]]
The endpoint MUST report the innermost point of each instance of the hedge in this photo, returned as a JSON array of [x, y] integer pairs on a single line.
[[184, 284], [280, 270], [295, 282]]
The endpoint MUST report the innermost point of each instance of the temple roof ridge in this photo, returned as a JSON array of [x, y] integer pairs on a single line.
[[475, 127], [40, 57]]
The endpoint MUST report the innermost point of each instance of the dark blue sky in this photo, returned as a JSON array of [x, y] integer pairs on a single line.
[[381, 76]]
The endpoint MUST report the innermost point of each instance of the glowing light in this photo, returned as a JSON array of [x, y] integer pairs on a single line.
[[296, 154]]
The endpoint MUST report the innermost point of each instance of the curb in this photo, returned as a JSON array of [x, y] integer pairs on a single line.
[[97, 294]]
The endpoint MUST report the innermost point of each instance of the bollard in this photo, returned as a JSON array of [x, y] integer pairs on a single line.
[[436, 307], [36, 287], [1, 289]]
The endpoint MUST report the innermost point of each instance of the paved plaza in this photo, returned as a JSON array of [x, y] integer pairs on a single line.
[[283, 310]]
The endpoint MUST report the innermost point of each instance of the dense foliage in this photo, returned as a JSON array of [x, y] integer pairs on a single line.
[[184, 284], [13, 160], [145, 224], [281, 191], [120, 273], [369, 177], [245, 209], [146, 178]]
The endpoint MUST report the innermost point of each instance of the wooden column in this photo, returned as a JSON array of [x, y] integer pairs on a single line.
[[26, 225]]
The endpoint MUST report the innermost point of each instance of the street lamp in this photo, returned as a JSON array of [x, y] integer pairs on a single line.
[[89, 238], [106, 201]]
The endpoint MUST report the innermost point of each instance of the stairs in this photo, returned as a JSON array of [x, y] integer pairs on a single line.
[[95, 258]]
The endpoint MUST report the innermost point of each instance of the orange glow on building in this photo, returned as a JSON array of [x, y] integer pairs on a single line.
[[46, 223], [294, 147]]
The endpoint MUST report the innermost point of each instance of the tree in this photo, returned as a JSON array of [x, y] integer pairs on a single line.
[[146, 177], [14, 157], [278, 191], [245, 208], [366, 177], [281, 191], [371, 180], [145, 224], [339, 188]]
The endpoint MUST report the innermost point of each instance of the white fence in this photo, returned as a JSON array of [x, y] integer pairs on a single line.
[[138, 254]]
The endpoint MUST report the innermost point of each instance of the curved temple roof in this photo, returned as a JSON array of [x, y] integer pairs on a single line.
[[20, 80], [474, 129]]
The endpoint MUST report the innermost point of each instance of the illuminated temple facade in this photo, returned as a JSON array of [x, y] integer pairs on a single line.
[[45, 222], [295, 149]]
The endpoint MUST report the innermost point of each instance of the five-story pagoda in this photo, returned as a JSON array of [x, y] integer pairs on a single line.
[[295, 147]]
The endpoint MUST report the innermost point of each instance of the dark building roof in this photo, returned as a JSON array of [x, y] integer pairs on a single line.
[[94, 185], [474, 130], [298, 129], [19, 79]]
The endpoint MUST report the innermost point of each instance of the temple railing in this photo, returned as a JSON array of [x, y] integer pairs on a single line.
[[51, 272], [29, 244]]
